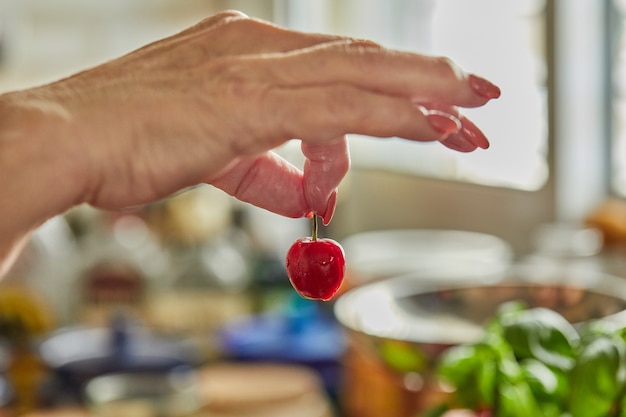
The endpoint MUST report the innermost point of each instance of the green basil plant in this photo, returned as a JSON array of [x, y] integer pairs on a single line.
[[533, 362]]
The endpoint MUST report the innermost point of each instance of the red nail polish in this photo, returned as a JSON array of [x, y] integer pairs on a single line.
[[483, 88], [459, 143], [330, 209], [442, 124], [473, 134]]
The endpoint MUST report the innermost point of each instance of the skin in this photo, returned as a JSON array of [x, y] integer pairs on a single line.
[[208, 105]]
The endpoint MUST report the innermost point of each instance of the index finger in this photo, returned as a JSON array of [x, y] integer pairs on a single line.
[[369, 66]]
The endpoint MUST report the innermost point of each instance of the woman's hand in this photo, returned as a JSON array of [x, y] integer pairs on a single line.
[[208, 105]]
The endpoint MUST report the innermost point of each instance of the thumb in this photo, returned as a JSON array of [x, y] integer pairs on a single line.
[[324, 168]]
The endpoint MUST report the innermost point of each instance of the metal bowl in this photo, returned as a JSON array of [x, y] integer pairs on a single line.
[[397, 328]]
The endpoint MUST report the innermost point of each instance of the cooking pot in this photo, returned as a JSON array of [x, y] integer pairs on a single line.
[[397, 328]]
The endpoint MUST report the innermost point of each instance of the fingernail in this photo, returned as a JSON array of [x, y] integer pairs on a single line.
[[442, 122], [476, 138], [330, 208], [458, 142], [483, 88], [473, 134]]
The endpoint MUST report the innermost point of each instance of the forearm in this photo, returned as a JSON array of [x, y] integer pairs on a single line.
[[37, 181]]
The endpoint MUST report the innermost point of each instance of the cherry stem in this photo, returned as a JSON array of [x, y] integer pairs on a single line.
[[315, 227]]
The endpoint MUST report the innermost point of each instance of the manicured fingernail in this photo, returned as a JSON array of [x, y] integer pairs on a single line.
[[473, 134], [458, 142], [442, 122], [483, 88], [445, 125], [330, 209]]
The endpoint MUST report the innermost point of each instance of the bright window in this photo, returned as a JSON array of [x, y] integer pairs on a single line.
[[501, 40], [619, 97]]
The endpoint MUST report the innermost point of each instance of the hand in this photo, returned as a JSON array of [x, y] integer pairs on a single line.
[[210, 103]]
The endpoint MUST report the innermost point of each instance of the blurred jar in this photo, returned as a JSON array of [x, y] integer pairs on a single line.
[[565, 253], [209, 274], [261, 390], [172, 394], [77, 354], [59, 412], [47, 268], [565, 250]]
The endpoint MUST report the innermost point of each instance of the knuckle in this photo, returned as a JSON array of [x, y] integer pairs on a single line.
[[219, 19], [368, 54], [368, 58], [244, 25], [230, 15], [363, 45], [447, 68], [342, 166]]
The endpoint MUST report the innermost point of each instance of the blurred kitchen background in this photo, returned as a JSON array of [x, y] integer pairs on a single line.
[[192, 291]]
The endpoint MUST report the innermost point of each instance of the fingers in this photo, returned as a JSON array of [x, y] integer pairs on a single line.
[[418, 77], [324, 168], [355, 87], [466, 137], [424, 77], [270, 182], [315, 87], [341, 110]]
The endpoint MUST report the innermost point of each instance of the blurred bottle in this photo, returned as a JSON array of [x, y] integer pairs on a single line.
[[210, 270], [24, 319], [610, 218], [570, 256], [570, 251], [120, 262]]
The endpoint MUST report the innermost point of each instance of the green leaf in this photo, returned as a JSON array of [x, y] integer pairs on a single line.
[[402, 356], [436, 411], [494, 325], [541, 334], [597, 379], [549, 409], [470, 370], [516, 400], [547, 384]]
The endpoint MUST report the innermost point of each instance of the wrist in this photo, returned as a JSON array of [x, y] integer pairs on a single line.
[[38, 177]]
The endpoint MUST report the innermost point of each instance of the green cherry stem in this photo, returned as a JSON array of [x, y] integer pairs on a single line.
[[315, 227]]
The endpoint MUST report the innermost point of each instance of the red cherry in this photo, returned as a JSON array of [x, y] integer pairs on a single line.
[[316, 267]]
